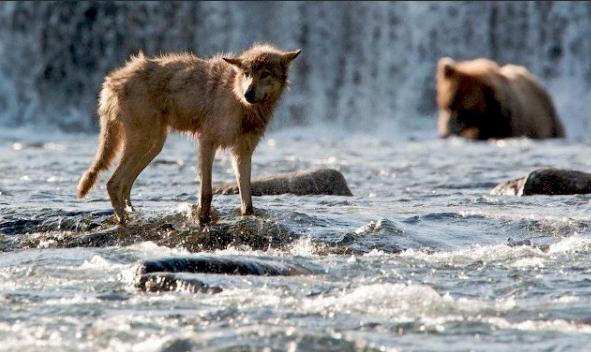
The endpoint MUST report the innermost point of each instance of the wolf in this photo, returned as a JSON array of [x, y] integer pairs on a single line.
[[225, 102]]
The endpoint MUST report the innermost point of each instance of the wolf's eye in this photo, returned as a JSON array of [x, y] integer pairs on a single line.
[[247, 73], [265, 74]]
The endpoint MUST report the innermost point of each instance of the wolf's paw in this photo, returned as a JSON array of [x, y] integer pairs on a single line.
[[121, 220], [245, 211], [204, 219]]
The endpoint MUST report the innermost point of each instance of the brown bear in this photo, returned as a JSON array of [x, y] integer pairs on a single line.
[[477, 99]]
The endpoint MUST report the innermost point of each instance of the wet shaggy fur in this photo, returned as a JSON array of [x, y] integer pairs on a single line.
[[477, 99], [225, 102]]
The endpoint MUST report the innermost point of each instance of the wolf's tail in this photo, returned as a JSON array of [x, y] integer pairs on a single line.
[[110, 140]]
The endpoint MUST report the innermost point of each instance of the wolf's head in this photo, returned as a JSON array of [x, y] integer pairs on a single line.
[[262, 73]]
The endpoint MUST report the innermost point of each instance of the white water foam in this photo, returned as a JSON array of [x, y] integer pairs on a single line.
[[520, 256]]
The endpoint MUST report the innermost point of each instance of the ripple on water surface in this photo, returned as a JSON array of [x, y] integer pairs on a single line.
[[422, 257]]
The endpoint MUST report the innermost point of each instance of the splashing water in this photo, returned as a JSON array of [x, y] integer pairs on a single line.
[[420, 258]]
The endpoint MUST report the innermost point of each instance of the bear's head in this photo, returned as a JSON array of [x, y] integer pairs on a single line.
[[467, 99]]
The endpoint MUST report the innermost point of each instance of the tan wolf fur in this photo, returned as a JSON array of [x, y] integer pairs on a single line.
[[225, 102]]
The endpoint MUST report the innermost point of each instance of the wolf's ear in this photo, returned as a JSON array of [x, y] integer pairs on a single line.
[[289, 56], [234, 61], [446, 66]]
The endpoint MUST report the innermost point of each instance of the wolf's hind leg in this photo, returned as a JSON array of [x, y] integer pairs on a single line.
[[241, 163], [206, 157], [114, 186], [138, 150], [156, 142]]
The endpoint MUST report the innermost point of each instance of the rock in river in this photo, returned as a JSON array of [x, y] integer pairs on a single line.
[[323, 181], [175, 231], [207, 264], [175, 273], [548, 182]]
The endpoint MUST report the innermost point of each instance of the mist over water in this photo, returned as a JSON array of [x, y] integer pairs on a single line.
[[363, 64]]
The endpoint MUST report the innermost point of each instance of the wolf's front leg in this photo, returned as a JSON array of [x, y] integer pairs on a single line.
[[241, 162], [206, 157]]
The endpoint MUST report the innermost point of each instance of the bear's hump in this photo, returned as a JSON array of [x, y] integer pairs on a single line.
[[477, 66], [514, 71]]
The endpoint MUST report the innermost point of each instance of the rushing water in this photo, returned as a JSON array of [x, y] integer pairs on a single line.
[[421, 258]]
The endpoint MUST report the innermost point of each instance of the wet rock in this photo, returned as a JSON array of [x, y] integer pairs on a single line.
[[164, 282], [18, 226], [56, 221], [323, 181], [547, 182], [256, 233], [179, 344], [541, 228], [527, 243], [175, 231], [5, 244], [221, 265]]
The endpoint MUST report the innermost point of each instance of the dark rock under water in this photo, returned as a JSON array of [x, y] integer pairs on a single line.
[[207, 264], [173, 273], [162, 282], [547, 182]]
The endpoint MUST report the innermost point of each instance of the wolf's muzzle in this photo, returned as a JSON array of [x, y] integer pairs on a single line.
[[250, 96]]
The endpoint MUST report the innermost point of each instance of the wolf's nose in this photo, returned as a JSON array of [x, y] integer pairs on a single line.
[[249, 96]]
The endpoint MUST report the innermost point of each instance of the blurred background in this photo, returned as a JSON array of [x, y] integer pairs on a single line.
[[364, 65]]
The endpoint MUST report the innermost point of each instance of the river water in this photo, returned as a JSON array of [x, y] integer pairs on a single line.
[[421, 258]]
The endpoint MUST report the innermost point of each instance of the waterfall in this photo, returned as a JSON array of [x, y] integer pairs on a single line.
[[362, 64]]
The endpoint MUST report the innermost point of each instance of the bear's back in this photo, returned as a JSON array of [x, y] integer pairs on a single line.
[[538, 118]]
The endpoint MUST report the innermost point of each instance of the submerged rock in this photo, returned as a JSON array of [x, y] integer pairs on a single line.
[[177, 273], [548, 182], [221, 265], [323, 181], [174, 273], [383, 235], [54, 221], [163, 282], [527, 243]]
